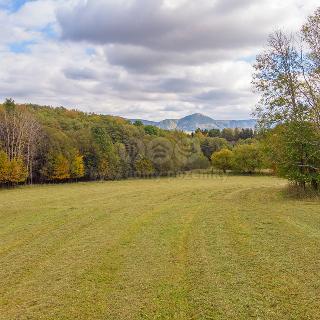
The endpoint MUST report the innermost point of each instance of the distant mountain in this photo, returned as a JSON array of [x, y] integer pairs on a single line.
[[198, 120]]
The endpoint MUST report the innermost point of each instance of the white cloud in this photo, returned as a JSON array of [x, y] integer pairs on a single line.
[[150, 59]]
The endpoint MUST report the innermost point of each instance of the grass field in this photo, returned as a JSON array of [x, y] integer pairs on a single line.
[[209, 248]]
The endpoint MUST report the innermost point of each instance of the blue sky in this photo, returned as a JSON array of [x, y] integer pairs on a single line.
[[20, 47], [14, 5], [183, 56]]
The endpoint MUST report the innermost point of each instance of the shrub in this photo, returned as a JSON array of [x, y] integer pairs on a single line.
[[222, 160], [247, 158]]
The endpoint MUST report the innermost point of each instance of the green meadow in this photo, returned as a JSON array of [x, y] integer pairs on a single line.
[[185, 248]]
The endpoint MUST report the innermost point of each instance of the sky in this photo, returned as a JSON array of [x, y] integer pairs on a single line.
[[149, 59]]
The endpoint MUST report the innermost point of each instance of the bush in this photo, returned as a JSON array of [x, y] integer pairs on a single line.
[[247, 158], [222, 160]]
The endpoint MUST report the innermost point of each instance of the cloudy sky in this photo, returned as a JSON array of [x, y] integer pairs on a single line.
[[150, 59]]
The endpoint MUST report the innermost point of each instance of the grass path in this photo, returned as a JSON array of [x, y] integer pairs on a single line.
[[217, 248]]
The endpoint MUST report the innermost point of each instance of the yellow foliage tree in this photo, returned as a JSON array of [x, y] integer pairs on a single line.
[[13, 171], [17, 171], [4, 167], [61, 168], [77, 167], [222, 160]]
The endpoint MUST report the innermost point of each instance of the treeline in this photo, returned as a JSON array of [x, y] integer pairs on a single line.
[[43, 144], [229, 134]]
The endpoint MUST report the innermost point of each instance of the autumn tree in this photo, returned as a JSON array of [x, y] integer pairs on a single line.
[[60, 168], [247, 158], [4, 167], [12, 172], [77, 169], [17, 171], [287, 76], [222, 160]]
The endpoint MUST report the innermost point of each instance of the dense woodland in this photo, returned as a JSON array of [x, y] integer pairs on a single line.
[[44, 144]]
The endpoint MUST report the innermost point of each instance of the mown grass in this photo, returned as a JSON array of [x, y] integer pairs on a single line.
[[184, 248]]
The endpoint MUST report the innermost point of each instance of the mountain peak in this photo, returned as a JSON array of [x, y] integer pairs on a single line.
[[196, 115], [198, 120]]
